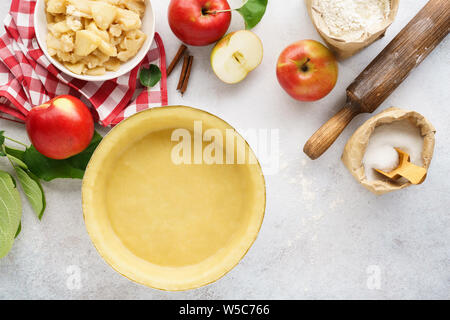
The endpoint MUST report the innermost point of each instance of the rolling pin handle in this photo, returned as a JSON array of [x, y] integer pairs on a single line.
[[329, 132]]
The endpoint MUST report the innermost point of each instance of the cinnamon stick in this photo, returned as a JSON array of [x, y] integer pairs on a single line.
[[176, 59], [183, 72], [188, 74]]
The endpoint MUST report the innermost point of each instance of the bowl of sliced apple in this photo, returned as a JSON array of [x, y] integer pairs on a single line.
[[94, 40]]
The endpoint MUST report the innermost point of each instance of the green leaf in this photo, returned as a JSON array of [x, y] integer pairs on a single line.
[[18, 230], [15, 156], [17, 161], [32, 189], [252, 12], [151, 76], [48, 169], [10, 212], [15, 152], [2, 141]]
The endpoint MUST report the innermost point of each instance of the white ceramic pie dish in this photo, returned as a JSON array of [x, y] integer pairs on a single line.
[[148, 27]]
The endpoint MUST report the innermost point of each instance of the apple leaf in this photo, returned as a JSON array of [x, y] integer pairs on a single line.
[[32, 189], [29, 182], [252, 12], [49, 169], [18, 230], [16, 153], [16, 161], [151, 76], [2, 141], [10, 212]]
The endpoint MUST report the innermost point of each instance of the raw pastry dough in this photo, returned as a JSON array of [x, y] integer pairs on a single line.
[[169, 226]]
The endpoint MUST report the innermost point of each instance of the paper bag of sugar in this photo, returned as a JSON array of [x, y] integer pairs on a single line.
[[357, 146], [348, 26]]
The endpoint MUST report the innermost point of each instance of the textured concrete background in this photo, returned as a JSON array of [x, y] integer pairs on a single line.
[[324, 236]]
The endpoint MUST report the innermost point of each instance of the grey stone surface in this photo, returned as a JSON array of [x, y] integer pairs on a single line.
[[323, 236]]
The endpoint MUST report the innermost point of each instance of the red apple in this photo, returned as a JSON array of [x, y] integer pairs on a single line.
[[199, 22], [60, 128], [307, 70]]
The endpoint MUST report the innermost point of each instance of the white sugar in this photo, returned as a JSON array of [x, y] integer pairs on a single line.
[[380, 152]]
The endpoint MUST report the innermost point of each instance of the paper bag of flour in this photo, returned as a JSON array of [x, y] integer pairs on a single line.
[[356, 146], [342, 28]]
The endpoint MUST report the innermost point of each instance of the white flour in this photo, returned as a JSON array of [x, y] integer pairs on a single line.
[[351, 19], [380, 152]]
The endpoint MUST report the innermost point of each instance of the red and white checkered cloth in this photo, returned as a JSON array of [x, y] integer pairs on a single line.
[[28, 79]]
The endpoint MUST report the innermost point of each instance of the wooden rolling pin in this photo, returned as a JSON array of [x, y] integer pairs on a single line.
[[385, 73]]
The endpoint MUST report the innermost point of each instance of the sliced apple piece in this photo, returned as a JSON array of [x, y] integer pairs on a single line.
[[236, 55], [86, 42], [137, 6], [103, 14], [107, 49], [113, 64], [79, 8], [56, 6], [58, 28], [101, 33], [98, 71], [77, 68], [128, 20]]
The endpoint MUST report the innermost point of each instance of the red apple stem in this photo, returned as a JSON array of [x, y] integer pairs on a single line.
[[304, 66]]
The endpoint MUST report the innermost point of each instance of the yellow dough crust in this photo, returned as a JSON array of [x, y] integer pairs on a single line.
[[168, 226]]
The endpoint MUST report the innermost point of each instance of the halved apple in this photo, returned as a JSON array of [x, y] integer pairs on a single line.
[[235, 55]]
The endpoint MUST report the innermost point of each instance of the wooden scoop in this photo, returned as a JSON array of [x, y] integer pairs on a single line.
[[406, 169], [385, 73]]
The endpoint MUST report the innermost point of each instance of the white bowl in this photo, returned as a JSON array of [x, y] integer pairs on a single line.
[[148, 27]]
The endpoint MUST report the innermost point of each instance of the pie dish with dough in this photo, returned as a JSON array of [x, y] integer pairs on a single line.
[[165, 225]]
